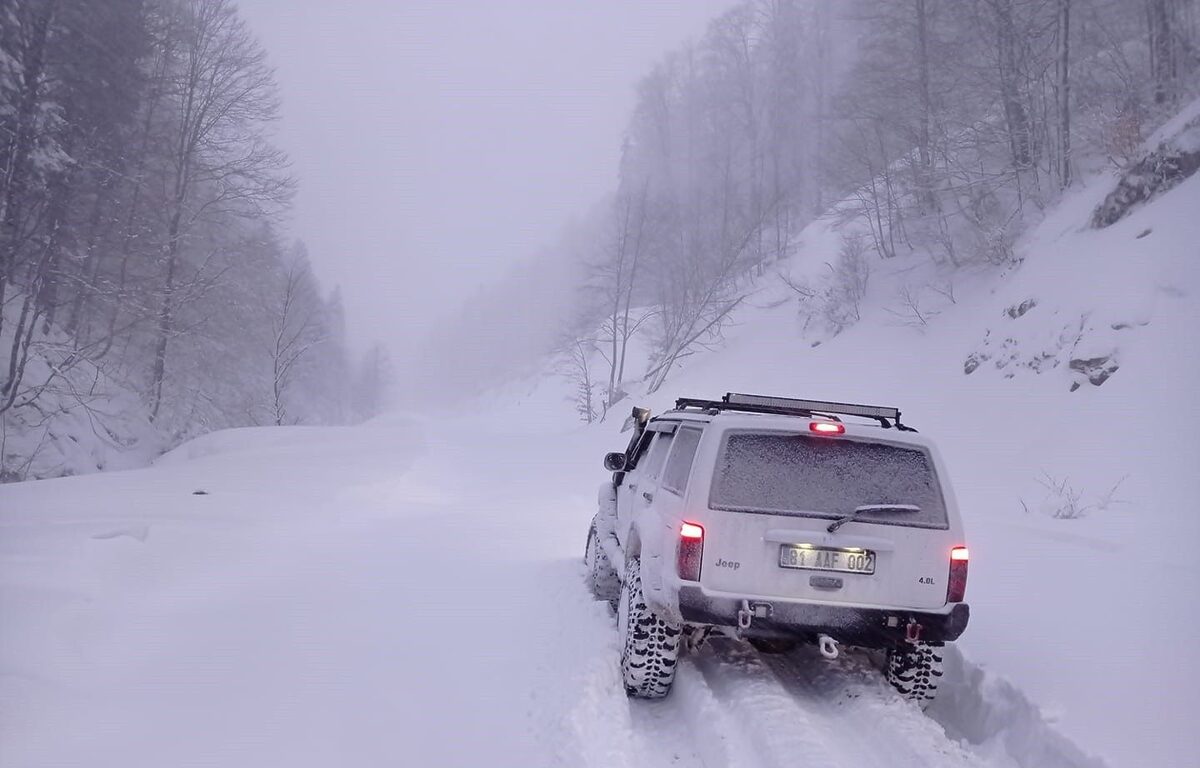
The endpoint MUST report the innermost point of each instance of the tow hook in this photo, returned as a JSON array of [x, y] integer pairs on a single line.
[[751, 611], [828, 646], [912, 632]]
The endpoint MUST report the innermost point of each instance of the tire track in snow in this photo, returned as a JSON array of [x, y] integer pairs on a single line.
[[664, 736], [721, 740], [857, 706], [777, 730], [734, 707], [798, 708], [603, 728]]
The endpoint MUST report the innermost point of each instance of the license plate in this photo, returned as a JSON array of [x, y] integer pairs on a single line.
[[827, 559]]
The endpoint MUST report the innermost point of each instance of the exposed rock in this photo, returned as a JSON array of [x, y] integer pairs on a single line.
[[1160, 170], [1125, 325], [972, 362], [1018, 310], [1096, 369]]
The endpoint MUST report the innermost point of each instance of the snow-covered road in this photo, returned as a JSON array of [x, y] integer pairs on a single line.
[[395, 594]]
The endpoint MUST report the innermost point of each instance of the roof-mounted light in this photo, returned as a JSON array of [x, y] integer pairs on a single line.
[[827, 427], [846, 409]]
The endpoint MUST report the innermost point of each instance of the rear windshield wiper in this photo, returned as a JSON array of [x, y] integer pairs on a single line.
[[906, 508]]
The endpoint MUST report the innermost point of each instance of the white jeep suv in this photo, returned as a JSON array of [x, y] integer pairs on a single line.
[[779, 521]]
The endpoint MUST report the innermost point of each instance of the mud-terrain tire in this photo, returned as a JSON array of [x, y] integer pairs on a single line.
[[602, 578], [915, 670], [649, 645]]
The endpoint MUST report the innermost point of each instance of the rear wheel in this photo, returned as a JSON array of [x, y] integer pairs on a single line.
[[915, 670], [649, 644], [602, 579]]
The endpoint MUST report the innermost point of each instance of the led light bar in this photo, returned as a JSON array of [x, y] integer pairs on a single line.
[[821, 406]]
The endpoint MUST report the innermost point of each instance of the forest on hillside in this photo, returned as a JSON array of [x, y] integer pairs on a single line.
[[147, 291], [943, 127]]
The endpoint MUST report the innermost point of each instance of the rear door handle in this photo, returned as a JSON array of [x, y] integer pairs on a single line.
[[633, 486], [647, 496]]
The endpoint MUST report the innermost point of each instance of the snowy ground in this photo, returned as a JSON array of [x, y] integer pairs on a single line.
[[401, 593]]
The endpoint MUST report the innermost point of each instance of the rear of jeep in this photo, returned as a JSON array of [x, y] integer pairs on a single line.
[[800, 526]]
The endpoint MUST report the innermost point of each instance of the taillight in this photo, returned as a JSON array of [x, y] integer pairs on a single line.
[[689, 552], [956, 588]]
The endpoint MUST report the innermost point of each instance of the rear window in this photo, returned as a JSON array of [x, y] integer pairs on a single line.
[[794, 474]]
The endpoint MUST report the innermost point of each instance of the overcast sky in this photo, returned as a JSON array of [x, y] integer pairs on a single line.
[[438, 142]]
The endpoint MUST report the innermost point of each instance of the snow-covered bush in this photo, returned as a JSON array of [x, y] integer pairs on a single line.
[[1063, 501], [833, 301], [1165, 167]]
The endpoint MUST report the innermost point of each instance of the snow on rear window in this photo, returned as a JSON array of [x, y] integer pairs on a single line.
[[826, 477]]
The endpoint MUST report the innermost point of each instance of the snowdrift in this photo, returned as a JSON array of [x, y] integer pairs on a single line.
[[82, 421]]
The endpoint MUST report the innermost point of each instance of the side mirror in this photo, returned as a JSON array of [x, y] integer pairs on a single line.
[[614, 462]]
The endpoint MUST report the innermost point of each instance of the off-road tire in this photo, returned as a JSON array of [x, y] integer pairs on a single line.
[[602, 578], [915, 670], [650, 645]]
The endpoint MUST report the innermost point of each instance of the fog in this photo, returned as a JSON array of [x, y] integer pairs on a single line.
[[438, 145], [224, 213]]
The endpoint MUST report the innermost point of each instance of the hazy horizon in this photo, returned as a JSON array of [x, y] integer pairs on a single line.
[[471, 134]]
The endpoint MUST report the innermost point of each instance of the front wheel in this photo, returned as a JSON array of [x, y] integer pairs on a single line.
[[915, 670], [602, 577], [649, 644]]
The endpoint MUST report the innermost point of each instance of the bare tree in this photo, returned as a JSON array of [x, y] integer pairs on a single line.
[[617, 279], [577, 367], [295, 330], [223, 94], [1063, 91]]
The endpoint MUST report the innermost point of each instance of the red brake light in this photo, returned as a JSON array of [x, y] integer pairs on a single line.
[[827, 427], [689, 552], [956, 586]]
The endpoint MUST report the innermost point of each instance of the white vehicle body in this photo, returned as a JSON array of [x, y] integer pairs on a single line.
[[744, 479]]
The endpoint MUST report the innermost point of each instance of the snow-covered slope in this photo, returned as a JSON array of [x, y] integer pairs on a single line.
[[1061, 391], [81, 419]]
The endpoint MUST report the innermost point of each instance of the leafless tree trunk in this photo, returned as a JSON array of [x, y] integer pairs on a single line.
[[1164, 60], [1063, 92], [1015, 115], [14, 202], [620, 275], [925, 194], [294, 334], [223, 89]]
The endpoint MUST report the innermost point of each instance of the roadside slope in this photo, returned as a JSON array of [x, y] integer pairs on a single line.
[[1060, 390]]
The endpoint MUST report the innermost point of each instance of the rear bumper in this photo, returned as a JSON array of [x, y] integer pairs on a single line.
[[868, 627]]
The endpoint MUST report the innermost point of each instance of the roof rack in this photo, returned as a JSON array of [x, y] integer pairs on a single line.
[[788, 406]]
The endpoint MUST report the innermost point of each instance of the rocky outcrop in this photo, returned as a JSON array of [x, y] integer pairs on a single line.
[[1165, 167]]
